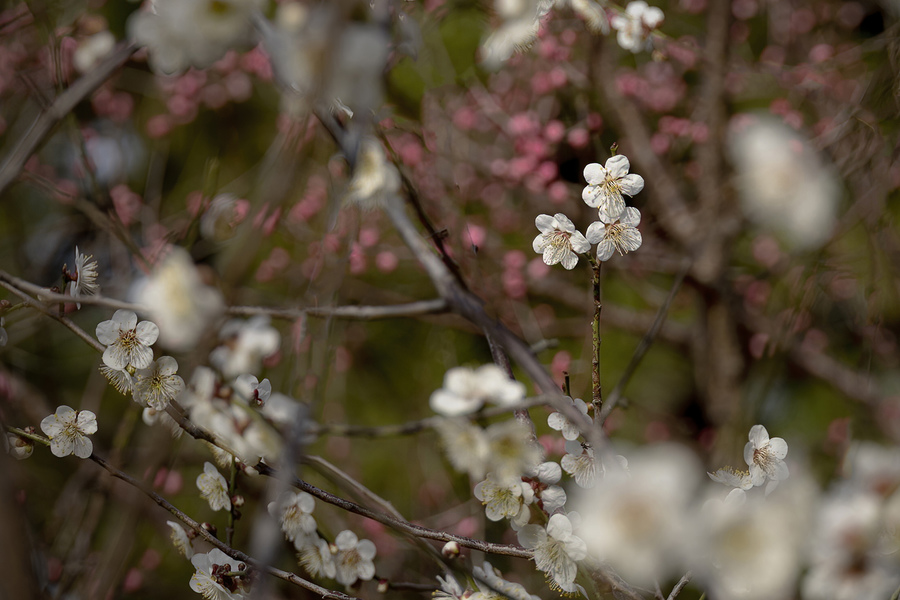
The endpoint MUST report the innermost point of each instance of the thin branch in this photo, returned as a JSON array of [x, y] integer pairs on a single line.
[[61, 106], [398, 524], [48, 296], [411, 427], [358, 313], [187, 520], [680, 585], [644, 345], [56, 317]]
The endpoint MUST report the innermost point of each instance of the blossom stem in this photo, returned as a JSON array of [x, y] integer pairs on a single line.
[[597, 391], [29, 436], [232, 484]]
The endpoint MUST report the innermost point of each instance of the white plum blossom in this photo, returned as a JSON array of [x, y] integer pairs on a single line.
[[213, 487], [494, 580], [559, 241], [246, 344], [18, 447], [68, 430], [157, 385], [467, 390], [449, 589], [180, 539], [120, 379], [580, 463], [180, 303], [92, 50], [505, 499], [294, 511], [511, 450], [211, 578], [506, 448], [127, 341], [606, 184], [750, 549], [83, 282], [765, 457], [560, 423], [465, 445], [615, 234], [185, 33], [784, 182], [354, 558], [635, 521], [518, 29], [556, 549], [634, 27], [552, 497], [252, 390], [374, 177], [314, 555]]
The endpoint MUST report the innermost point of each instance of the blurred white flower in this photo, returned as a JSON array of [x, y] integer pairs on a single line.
[[783, 183], [551, 498], [118, 378], [505, 499], [18, 447], [68, 430], [92, 50], [449, 589], [558, 422], [634, 27], [191, 33], [556, 548], [374, 177], [606, 184], [765, 457], [465, 446], [494, 580], [635, 520], [180, 303], [251, 390], [211, 578], [180, 539], [213, 487], [732, 477], [579, 462], [848, 560], [314, 555], [246, 344], [511, 449], [559, 241], [218, 221], [520, 23], [354, 558], [616, 234], [750, 550], [83, 281], [158, 384], [127, 341], [356, 72], [467, 390], [294, 511]]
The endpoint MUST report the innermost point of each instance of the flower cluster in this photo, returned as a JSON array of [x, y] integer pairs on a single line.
[[634, 27], [616, 230], [467, 390]]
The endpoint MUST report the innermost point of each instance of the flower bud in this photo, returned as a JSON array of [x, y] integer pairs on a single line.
[[450, 550], [382, 586]]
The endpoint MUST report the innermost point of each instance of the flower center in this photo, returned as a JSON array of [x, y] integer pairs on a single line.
[[762, 458], [557, 239], [621, 237]]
